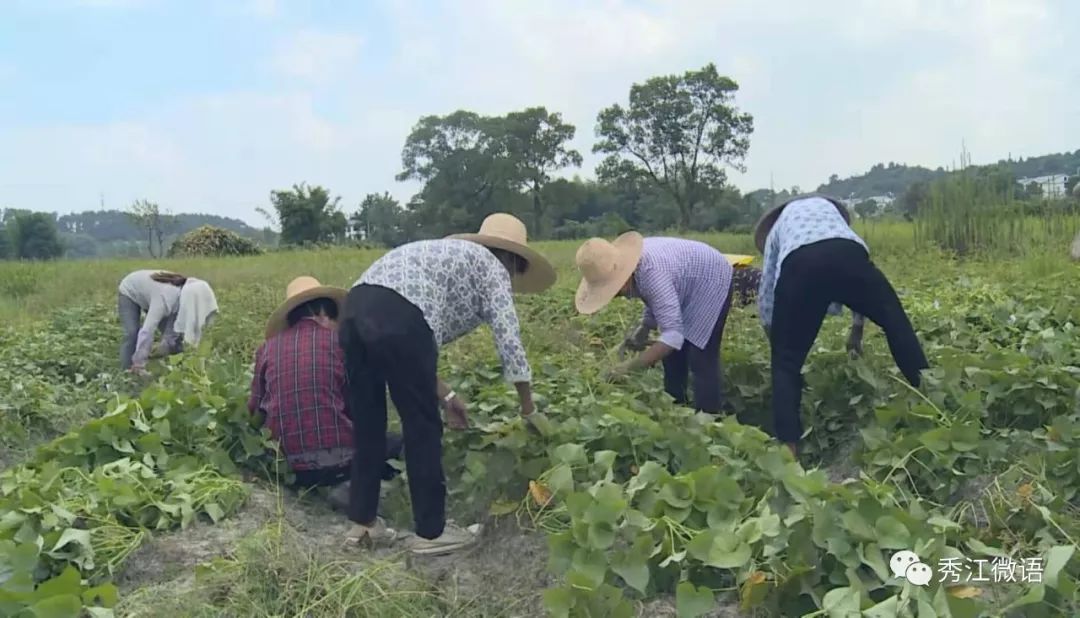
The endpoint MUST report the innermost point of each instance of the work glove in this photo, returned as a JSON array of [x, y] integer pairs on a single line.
[[854, 340], [636, 341]]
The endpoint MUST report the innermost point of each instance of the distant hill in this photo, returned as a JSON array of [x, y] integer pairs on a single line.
[[895, 178], [103, 233]]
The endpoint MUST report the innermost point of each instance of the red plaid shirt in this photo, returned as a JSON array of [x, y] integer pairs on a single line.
[[300, 385]]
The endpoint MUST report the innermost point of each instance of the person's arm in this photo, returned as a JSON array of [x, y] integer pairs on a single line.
[[658, 291], [258, 383], [154, 315], [498, 311]]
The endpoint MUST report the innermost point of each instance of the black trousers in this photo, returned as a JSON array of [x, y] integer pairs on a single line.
[[812, 277], [327, 477], [388, 343], [703, 364]]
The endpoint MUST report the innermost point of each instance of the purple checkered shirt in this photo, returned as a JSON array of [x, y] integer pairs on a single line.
[[684, 284]]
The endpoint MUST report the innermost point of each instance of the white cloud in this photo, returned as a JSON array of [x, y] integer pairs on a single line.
[[317, 56]]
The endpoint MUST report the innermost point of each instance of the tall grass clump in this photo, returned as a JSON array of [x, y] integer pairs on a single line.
[[965, 215]]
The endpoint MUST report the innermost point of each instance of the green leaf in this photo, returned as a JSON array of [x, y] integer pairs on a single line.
[[601, 535], [841, 602], [886, 609], [692, 601], [1056, 559], [633, 569], [891, 534], [502, 507], [677, 493], [68, 582], [214, 510], [984, 549], [559, 601], [61, 606], [719, 549], [1035, 594], [571, 454], [561, 480]]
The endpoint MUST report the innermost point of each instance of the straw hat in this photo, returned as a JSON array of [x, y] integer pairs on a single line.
[[507, 232], [767, 220], [299, 291], [605, 267]]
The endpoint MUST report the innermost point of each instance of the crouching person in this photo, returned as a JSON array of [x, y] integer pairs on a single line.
[[411, 301], [300, 392], [686, 287]]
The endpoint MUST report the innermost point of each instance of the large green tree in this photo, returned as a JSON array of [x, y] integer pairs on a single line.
[[678, 131], [5, 243], [34, 236], [381, 220], [534, 142], [308, 214], [457, 157]]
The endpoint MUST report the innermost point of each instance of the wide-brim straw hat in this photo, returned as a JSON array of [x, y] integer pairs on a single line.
[[507, 232], [768, 220], [605, 267], [299, 291]]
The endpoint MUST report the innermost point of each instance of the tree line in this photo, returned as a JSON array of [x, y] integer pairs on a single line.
[[666, 153]]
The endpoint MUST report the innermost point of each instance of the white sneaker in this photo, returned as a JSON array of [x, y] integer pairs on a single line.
[[453, 538], [376, 533]]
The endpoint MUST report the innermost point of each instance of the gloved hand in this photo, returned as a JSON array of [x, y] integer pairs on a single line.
[[854, 340], [636, 341]]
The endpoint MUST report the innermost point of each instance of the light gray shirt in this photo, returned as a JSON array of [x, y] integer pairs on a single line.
[[159, 301]]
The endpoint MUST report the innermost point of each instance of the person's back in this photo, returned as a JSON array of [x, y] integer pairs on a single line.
[[141, 287], [441, 277], [300, 387]]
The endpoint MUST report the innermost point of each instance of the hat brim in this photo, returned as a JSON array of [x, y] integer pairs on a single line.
[[279, 319], [590, 299], [539, 276], [768, 220]]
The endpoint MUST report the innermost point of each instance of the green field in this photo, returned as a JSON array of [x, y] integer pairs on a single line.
[[160, 499]]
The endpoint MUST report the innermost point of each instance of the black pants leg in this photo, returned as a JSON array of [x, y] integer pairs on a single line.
[[871, 294], [367, 402], [388, 344], [705, 365], [130, 320], [676, 372], [812, 277]]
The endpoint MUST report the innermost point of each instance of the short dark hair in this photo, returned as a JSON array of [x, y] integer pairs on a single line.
[[520, 264], [312, 308]]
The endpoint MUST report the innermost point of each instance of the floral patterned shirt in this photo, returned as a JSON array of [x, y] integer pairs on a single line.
[[458, 285]]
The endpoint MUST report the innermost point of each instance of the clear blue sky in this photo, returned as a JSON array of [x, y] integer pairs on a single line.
[[208, 106]]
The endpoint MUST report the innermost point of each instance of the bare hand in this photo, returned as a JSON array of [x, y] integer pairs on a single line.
[[794, 449], [527, 407], [456, 414]]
